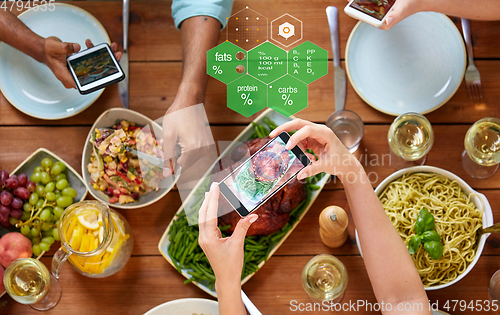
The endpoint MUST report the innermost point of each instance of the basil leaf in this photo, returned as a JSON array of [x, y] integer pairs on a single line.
[[414, 243], [435, 249], [429, 236], [425, 221]]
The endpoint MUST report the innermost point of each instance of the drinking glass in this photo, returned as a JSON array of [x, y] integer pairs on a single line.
[[482, 148], [348, 127], [28, 281], [324, 278], [410, 139]]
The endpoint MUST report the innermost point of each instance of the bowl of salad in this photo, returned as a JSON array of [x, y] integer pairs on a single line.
[[111, 168]]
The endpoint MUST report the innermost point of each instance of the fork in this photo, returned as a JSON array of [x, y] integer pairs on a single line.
[[472, 76]]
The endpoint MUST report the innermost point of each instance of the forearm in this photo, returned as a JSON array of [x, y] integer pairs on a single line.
[[390, 268], [14, 33], [230, 302], [470, 9], [199, 34]]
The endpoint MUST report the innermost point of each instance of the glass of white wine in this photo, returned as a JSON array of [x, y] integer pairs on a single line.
[[28, 281], [410, 139], [482, 148], [324, 278]]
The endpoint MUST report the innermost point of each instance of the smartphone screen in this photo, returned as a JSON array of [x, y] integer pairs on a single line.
[[374, 8], [262, 175], [93, 66]]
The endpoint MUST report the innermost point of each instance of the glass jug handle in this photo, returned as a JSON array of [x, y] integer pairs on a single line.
[[58, 260]]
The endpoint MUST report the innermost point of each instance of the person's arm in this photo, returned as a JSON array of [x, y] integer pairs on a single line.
[[200, 22], [225, 254], [199, 34], [469, 9], [51, 50], [390, 268]]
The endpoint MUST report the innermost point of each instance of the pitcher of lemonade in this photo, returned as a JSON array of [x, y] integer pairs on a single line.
[[96, 240]]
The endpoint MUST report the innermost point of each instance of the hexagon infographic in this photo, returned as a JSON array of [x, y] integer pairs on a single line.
[[247, 96], [307, 62], [267, 62], [286, 30], [260, 74], [226, 62], [287, 95]]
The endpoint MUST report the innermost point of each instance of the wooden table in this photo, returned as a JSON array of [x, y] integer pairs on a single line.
[[155, 71]]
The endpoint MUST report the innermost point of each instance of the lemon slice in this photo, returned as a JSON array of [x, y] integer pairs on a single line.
[[118, 223], [89, 220], [114, 241], [101, 234]]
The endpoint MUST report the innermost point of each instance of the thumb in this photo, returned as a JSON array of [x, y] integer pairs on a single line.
[[69, 48], [242, 227], [310, 170]]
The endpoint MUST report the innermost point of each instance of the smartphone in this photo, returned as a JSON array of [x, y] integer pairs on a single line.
[[372, 12], [94, 68], [262, 175]]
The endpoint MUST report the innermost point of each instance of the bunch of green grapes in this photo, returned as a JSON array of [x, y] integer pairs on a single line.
[[50, 194]]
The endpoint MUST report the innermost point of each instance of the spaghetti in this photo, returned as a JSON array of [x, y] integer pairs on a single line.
[[457, 221]]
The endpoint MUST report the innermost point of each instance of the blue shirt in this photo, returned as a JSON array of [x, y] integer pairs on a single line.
[[218, 9]]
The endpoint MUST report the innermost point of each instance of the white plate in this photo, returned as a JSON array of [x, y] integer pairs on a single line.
[[278, 119], [107, 120], [478, 202], [30, 86], [186, 307], [416, 66]]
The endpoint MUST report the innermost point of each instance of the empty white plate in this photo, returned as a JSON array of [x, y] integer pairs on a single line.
[[29, 85], [416, 66]]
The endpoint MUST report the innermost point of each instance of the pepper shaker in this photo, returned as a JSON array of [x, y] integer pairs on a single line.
[[333, 222]]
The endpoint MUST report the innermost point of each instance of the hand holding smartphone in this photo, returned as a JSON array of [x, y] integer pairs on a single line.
[[262, 175], [94, 68], [373, 12]]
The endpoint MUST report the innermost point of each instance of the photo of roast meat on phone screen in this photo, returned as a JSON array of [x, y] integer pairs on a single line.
[[259, 177], [375, 8]]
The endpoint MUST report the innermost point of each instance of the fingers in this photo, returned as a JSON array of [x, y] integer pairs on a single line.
[[202, 213], [114, 47], [213, 206], [169, 143], [313, 169], [118, 55], [89, 43], [290, 126], [67, 80], [307, 131], [242, 227]]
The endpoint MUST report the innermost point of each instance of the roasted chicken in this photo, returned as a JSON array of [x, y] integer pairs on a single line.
[[274, 213]]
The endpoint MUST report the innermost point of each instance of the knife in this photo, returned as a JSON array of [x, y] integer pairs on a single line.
[[156, 161], [339, 74], [123, 85]]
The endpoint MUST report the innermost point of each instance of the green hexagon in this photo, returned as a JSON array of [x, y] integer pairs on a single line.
[[223, 64], [247, 96], [287, 95], [307, 62], [267, 62]]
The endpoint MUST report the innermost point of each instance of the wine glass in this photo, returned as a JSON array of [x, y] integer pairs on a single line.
[[410, 139], [28, 281], [324, 278], [482, 148]]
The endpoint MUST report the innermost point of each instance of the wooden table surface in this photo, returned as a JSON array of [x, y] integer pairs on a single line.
[[155, 72]]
